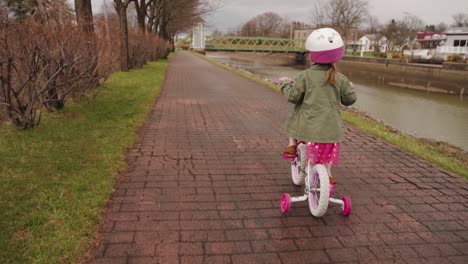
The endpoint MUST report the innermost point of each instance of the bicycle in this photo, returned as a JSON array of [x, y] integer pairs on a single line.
[[318, 189]]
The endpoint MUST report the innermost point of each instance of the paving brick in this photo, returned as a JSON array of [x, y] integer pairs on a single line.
[[256, 259], [435, 250], [459, 259], [204, 181], [292, 232], [214, 248], [314, 256], [108, 261], [400, 238], [461, 247], [123, 250], [239, 235], [393, 252], [441, 237], [273, 245], [118, 237], [202, 236], [361, 240], [142, 260], [318, 243], [342, 254]]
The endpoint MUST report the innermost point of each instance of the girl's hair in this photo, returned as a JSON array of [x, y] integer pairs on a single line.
[[331, 77]]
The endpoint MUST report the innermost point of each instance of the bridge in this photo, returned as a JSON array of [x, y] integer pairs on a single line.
[[236, 43], [199, 41]]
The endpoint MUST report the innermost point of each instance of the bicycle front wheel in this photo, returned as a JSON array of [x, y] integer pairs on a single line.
[[318, 189]]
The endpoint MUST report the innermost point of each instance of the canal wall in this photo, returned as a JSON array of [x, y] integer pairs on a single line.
[[434, 78], [268, 58]]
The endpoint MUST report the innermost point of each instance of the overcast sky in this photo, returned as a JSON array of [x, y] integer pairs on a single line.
[[236, 12]]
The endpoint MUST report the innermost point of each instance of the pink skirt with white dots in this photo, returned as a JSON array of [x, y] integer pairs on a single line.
[[323, 153]]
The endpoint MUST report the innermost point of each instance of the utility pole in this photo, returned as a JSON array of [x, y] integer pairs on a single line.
[[291, 30]]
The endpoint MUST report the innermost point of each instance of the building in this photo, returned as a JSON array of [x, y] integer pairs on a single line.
[[456, 42], [198, 38], [371, 42], [429, 40], [353, 34], [302, 33]]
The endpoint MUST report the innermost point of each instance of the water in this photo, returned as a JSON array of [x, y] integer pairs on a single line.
[[440, 117]]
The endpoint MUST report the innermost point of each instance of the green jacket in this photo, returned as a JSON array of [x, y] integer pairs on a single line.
[[316, 116]]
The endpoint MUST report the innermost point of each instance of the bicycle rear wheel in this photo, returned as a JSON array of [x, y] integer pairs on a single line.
[[298, 165]]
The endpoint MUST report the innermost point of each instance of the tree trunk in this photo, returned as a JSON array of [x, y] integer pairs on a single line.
[[84, 15], [141, 14], [122, 12], [163, 32]]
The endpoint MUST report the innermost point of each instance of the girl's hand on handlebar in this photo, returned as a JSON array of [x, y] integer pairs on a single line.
[[283, 80]]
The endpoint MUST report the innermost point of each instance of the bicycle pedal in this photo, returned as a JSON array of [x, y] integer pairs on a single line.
[[288, 156]]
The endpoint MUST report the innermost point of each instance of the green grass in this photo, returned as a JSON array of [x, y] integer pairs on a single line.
[[444, 155], [358, 54], [55, 179]]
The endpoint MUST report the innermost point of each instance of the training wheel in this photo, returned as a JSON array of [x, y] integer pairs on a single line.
[[347, 206], [285, 202]]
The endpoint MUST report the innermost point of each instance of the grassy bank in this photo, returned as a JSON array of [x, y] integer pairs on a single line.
[[55, 179], [444, 155]]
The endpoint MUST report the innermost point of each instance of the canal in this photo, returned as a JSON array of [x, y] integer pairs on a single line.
[[440, 117]]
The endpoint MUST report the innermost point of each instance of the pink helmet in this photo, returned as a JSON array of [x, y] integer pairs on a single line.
[[325, 46]]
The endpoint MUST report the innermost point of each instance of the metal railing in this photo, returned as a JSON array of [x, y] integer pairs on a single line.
[[452, 50], [254, 44]]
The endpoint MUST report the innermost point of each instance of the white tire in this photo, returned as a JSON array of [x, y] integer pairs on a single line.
[[319, 189], [298, 165], [295, 172]]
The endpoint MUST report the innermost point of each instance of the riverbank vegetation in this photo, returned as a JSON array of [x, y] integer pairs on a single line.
[[55, 179], [49, 56], [446, 156]]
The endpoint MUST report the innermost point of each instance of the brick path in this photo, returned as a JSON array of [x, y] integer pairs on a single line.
[[204, 185]]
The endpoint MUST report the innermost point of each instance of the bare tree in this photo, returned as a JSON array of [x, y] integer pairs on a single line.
[[319, 13], [121, 8], [249, 29], [347, 14], [413, 22], [441, 27], [373, 24], [460, 20], [169, 17], [397, 34], [141, 7], [84, 15], [268, 24], [413, 25]]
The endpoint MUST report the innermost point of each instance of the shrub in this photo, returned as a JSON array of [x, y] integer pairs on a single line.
[[145, 47], [42, 64], [47, 59], [455, 58]]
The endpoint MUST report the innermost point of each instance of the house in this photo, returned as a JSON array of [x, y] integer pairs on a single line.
[[425, 45], [429, 40], [371, 42], [353, 33], [302, 33], [456, 42]]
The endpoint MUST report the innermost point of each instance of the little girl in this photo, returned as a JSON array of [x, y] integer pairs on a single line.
[[318, 94]]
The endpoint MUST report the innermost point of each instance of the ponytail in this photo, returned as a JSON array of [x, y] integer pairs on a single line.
[[331, 78]]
